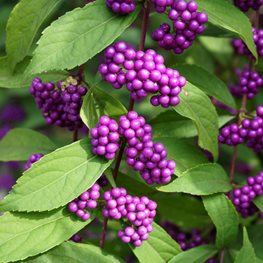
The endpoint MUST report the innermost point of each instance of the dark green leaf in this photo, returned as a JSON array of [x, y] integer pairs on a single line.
[[195, 255], [247, 253], [186, 212], [98, 103], [225, 218], [23, 235], [83, 33], [203, 179], [259, 202], [20, 143], [160, 247], [23, 25], [255, 233], [71, 252], [56, 179], [224, 15], [207, 82], [196, 106], [171, 124]]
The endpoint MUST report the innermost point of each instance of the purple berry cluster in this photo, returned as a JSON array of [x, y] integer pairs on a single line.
[[249, 131], [137, 212], [142, 153], [121, 7], [87, 200], [249, 83], [76, 238], [105, 138], [32, 159], [242, 197], [232, 135], [187, 24], [60, 104], [241, 48], [142, 73], [185, 240], [245, 5]]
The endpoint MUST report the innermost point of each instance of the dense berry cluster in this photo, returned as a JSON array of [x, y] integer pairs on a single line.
[[87, 200], [60, 104], [121, 7], [249, 131], [32, 159], [242, 197], [105, 138], [137, 212], [249, 83], [241, 48], [187, 24], [142, 153], [142, 73], [245, 5], [232, 135]]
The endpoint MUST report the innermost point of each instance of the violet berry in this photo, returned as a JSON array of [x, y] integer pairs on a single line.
[[32, 159]]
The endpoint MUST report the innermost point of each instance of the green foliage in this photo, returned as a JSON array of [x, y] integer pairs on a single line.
[[20, 143], [247, 253], [56, 179], [171, 124], [204, 179], [22, 27], [259, 202], [207, 82], [70, 252], [23, 235], [196, 106], [82, 33], [160, 247], [195, 255], [225, 218], [98, 103], [224, 15]]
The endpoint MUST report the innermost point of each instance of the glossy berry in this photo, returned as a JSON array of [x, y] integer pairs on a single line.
[[142, 73], [32, 159], [76, 238], [186, 22], [137, 212], [245, 5], [87, 200], [105, 138], [60, 104], [121, 7]]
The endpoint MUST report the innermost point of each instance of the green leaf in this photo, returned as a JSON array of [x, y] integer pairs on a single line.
[[225, 15], [23, 235], [195, 255], [23, 25], [18, 79], [207, 82], [160, 247], [56, 179], [255, 233], [247, 253], [259, 202], [205, 179], [225, 218], [196, 106], [171, 124], [184, 153], [187, 211], [98, 103], [83, 33], [20, 143], [71, 252]]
